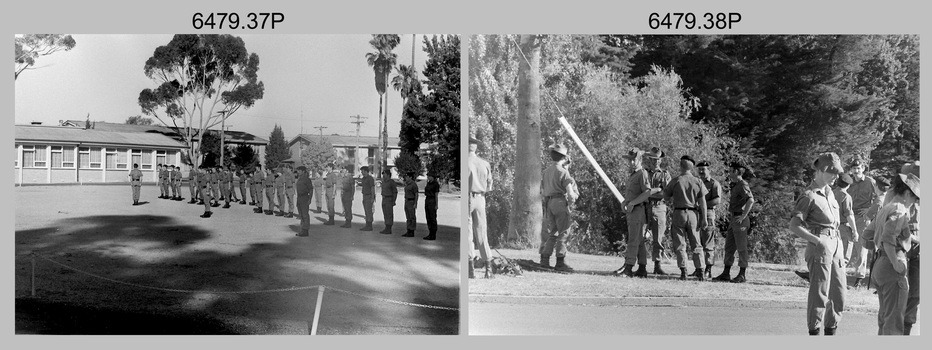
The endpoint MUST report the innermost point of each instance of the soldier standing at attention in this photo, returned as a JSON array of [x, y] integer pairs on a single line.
[[235, 183], [203, 181], [258, 180], [135, 181], [304, 190], [657, 208], [368, 196], [170, 182], [687, 193], [847, 228], [166, 174], [736, 240], [215, 186], [410, 204], [558, 197], [637, 190], [430, 205], [192, 183], [318, 183], [271, 183], [346, 196], [712, 199], [289, 190], [281, 178], [160, 175], [330, 187], [389, 196], [864, 194], [479, 182], [178, 178], [225, 179], [815, 219]]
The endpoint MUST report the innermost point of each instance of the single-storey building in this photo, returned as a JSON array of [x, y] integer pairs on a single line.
[[345, 147]]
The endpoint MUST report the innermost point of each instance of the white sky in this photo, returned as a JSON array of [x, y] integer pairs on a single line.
[[325, 76]]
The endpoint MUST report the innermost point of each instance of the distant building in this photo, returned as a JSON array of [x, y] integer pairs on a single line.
[[345, 147]]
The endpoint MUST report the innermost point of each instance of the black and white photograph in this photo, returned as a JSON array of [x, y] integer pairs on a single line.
[[221, 184], [630, 184]]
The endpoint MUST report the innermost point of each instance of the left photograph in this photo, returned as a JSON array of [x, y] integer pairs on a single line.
[[237, 184]]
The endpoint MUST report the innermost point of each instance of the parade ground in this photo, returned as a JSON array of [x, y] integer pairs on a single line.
[[592, 301], [103, 266]]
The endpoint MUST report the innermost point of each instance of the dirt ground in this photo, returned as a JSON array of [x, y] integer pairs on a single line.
[[104, 266]]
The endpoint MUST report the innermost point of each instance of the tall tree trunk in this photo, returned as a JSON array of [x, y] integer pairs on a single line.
[[378, 143], [385, 126], [524, 225]]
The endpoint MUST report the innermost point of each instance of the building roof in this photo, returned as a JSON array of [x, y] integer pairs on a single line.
[[341, 140], [38, 133], [230, 136]]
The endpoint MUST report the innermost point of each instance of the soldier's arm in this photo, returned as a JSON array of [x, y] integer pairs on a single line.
[[703, 209], [716, 191]]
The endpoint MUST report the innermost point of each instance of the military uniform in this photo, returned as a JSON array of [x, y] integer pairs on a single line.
[[479, 183], [368, 199], [163, 180], [268, 184], [430, 208], [192, 184], [304, 190], [318, 183], [687, 194], [225, 178], [707, 233], [637, 183], [203, 181], [280, 193], [557, 219], [215, 187], [178, 178], [844, 228], [235, 183], [135, 181], [289, 180], [410, 206], [657, 214], [817, 209], [240, 182], [330, 189], [736, 239], [389, 196], [171, 192], [258, 180], [346, 197], [863, 195]]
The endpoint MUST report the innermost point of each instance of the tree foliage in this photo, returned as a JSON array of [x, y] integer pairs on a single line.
[[202, 80], [139, 120], [210, 149], [244, 157], [318, 154], [277, 150], [407, 162], [29, 47]]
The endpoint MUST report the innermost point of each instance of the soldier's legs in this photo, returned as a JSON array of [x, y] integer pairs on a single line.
[[289, 195], [430, 208], [826, 299], [280, 197], [731, 247], [678, 233], [859, 254], [692, 238], [205, 196], [270, 197], [191, 187], [410, 215], [636, 250], [912, 301], [707, 240], [470, 227], [479, 234], [136, 193], [367, 203], [740, 230], [657, 224], [893, 293], [330, 205], [318, 196], [303, 207], [560, 220], [348, 208], [847, 241], [388, 211]]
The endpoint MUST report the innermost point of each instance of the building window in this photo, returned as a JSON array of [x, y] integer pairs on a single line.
[[62, 157], [137, 156], [34, 156], [89, 158], [146, 160], [160, 157], [116, 158]]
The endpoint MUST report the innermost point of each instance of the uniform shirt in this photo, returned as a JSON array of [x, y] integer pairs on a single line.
[[304, 187], [411, 191], [163, 175], [268, 181], [740, 195], [715, 191], [226, 177], [844, 204], [685, 191], [349, 186], [817, 208], [555, 180], [368, 185], [480, 174], [177, 175], [331, 183], [318, 183], [431, 190], [192, 174], [863, 194], [389, 188], [288, 178], [659, 178], [896, 220], [213, 177], [637, 183], [203, 180], [135, 175], [279, 182], [258, 178]]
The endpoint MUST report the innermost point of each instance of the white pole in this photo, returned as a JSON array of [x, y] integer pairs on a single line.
[[320, 297], [582, 147]]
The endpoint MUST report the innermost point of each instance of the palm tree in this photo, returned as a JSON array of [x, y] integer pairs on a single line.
[[382, 61], [405, 82]]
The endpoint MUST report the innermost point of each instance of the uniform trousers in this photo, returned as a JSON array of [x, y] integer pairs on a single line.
[[827, 282], [847, 241], [136, 187], [636, 251], [192, 186], [430, 211], [556, 227], [289, 196], [860, 255], [411, 214], [893, 293], [707, 238], [367, 201], [304, 203], [912, 302], [736, 240], [205, 196], [270, 197], [330, 204], [685, 236], [657, 224], [318, 196], [225, 191], [347, 200], [388, 210], [476, 226]]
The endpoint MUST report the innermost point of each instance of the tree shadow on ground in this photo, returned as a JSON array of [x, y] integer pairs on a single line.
[[160, 251]]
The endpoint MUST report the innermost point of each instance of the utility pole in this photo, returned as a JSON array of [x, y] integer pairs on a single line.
[[302, 121], [321, 128], [223, 134], [358, 123]]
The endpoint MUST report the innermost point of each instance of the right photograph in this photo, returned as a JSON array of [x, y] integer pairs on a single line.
[[693, 185]]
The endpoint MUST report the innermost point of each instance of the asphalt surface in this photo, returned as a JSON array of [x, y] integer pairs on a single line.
[[266, 273], [668, 318]]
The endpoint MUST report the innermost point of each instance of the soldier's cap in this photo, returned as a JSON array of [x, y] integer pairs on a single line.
[[857, 162], [828, 162], [688, 158], [844, 180], [704, 163], [633, 153], [364, 168], [909, 173], [473, 140], [655, 153], [302, 168], [559, 148]]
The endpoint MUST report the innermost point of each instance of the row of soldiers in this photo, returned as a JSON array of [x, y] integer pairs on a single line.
[[278, 187]]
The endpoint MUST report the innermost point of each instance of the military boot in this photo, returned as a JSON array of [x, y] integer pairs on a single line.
[[830, 330], [346, 225], [488, 270], [387, 230], [682, 274], [641, 271], [545, 262], [657, 269], [708, 271], [408, 234], [368, 227], [625, 271], [431, 236], [330, 222], [725, 276], [289, 215], [740, 279], [562, 266], [472, 269], [698, 274]]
